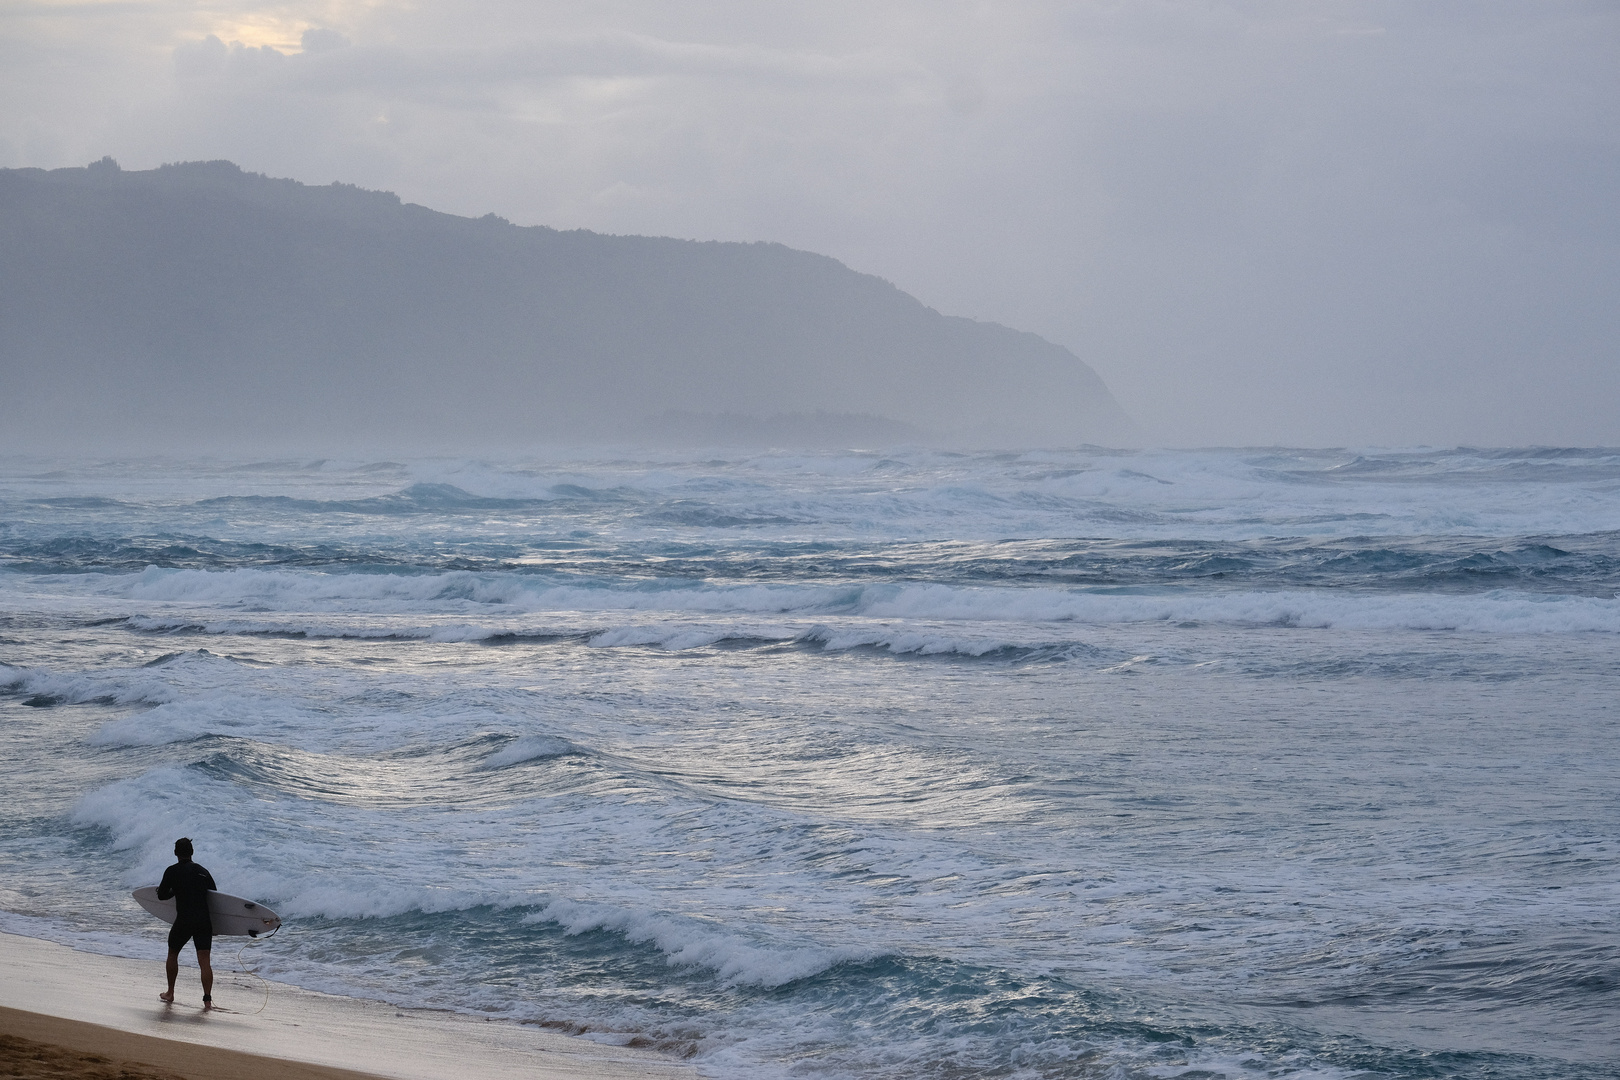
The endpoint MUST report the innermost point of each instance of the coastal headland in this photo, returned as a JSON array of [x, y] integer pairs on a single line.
[[197, 305]]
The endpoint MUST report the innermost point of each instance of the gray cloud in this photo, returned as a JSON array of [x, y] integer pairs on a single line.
[[1301, 222], [319, 39]]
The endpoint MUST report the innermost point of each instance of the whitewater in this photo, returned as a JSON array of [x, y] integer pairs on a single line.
[[1241, 763]]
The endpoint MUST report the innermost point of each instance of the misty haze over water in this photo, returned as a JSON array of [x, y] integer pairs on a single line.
[[1347, 223]]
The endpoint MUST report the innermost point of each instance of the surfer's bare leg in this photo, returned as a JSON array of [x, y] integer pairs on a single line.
[[204, 956], [171, 968]]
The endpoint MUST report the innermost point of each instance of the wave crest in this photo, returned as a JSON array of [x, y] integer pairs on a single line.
[[686, 943]]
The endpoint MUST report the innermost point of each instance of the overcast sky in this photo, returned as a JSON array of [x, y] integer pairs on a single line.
[[1317, 223]]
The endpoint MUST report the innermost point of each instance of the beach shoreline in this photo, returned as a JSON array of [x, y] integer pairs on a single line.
[[54, 1046], [107, 1006]]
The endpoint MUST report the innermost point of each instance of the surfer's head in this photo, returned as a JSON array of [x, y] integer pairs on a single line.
[[182, 848]]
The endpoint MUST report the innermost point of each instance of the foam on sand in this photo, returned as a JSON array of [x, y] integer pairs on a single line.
[[301, 1025]]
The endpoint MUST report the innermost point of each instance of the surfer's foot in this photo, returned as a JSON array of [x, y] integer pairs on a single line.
[[208, 1001], [168, 998]]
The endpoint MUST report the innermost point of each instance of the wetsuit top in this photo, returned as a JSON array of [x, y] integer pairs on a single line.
[[189, 884]]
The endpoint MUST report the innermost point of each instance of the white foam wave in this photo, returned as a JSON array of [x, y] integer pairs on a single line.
[[1203, 493], [1500, 611], [358, 898], [461, 590], [686, 943], [144, 814], [675, 638], [529, 748], [326, 628], [79, 688], [904, 642], [202, 712], [1497, 611]]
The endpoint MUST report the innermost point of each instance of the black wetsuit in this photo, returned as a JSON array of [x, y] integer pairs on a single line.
[[189, 884]]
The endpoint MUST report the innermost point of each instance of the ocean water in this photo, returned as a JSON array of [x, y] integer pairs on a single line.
[[908, 764]]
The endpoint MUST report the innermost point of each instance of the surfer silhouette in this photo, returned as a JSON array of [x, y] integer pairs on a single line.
[[189, 884]]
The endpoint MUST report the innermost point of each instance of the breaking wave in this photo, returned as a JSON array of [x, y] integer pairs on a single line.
[[1493, 611]]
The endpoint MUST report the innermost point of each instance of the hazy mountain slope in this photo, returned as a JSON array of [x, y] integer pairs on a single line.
[[199, 305]]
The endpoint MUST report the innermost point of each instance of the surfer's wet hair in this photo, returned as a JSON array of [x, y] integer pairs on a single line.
[[182, 847]]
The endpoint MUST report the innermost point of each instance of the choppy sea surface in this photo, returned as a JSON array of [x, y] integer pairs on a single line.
[[1231, 763]]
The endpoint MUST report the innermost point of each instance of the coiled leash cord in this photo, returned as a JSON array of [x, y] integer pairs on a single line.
[[245, 970]]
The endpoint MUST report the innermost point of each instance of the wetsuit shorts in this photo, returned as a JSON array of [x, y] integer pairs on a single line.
[[183, 931]]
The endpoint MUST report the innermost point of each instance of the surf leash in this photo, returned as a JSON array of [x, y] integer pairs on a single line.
[[245, 970]]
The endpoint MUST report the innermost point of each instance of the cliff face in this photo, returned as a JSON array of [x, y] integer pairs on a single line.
[[199, 305]]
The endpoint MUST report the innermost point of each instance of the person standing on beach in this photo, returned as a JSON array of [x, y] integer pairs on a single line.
[[189, 884]]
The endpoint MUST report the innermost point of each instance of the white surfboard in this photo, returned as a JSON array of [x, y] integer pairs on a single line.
[[231, 915]]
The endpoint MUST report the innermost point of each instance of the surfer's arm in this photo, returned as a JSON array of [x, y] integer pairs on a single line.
[[166, 886], [210, 878]]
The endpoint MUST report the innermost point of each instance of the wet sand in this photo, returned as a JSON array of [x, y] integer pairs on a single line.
[[36, 1047], [79, 1016]]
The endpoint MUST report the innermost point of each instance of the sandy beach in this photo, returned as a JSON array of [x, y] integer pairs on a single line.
[[71, 1014]]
